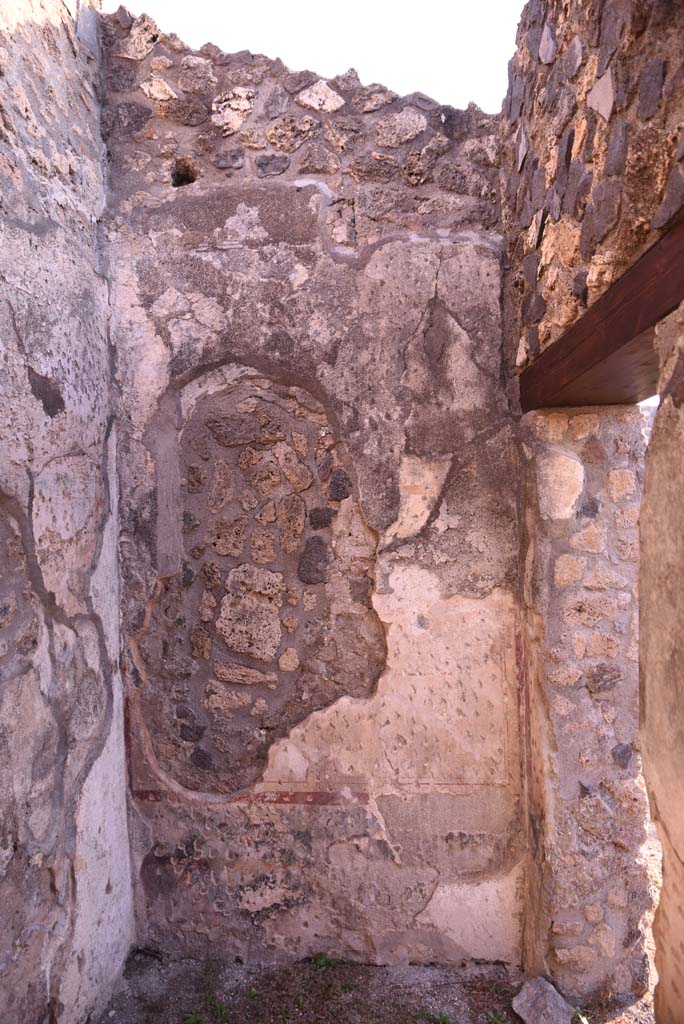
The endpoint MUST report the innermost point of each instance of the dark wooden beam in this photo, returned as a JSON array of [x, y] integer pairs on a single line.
[[607, 356]]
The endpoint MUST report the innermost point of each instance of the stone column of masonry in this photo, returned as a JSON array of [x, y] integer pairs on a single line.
[[662, 659], [587, 801]]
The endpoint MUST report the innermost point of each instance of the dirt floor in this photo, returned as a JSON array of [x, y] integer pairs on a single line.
[[325, 991]]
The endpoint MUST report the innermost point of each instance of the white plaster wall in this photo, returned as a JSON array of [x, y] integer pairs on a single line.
[[65, 881]]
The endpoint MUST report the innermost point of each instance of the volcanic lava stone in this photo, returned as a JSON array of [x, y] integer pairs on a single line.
[[201, 759], [319, 518], [313, 562], [340, 485]]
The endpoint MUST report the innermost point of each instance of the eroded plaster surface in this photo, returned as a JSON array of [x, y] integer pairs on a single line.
[[65, 878], [320, 525], [661, 659], [265, 494]]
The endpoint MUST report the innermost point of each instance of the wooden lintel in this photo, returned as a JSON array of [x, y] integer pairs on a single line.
[[607, 356]]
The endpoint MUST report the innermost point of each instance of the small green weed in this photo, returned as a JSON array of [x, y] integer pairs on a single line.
[[253, 993], [194, 1018], [322, 962], [219, 1010], [439, 1018]]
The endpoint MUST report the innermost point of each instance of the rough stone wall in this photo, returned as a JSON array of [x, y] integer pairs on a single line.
[[588, 806], [592, 174], [65, 884], [273, 602], [592, 160], [324, 651], [319, 536], [662, 658]]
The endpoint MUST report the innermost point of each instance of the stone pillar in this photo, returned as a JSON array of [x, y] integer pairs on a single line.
[[662, 659], [587, 804]]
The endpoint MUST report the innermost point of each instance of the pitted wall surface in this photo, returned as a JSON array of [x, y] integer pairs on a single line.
[[661, 658], [319, 539], [257, 419], [65, 871]]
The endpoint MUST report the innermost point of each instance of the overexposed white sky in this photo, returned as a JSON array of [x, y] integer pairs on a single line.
[[454, 51]]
